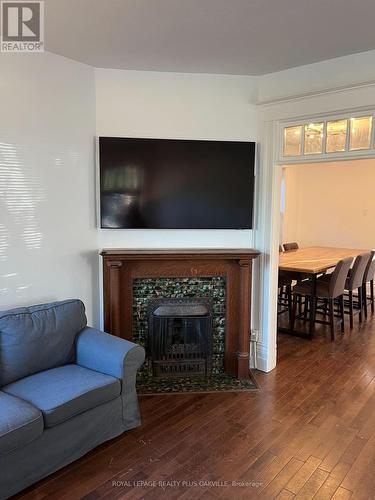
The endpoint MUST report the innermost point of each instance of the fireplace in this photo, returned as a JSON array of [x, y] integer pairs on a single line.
[[180, 337], [132, 278]]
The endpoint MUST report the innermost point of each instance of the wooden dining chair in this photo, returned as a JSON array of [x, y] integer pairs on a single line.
[[328, 288], [368, 278], [290, 246], [285, 292], [354, 282]]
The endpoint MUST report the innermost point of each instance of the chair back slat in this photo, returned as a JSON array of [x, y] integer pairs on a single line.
[[370, 273], [290, 246], [338, 278], [370, 269], [358, 271]]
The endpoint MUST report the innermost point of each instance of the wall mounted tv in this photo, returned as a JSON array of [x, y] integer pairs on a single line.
[[176, 184]]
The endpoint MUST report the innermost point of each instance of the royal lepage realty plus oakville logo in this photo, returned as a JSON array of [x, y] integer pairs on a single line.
[[22, 26]]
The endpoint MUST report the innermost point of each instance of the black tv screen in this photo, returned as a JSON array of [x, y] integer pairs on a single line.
[[176, 184]]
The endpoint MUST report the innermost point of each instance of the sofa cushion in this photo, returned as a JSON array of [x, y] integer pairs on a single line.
[[37, 338], [20, 423], [61, 393]]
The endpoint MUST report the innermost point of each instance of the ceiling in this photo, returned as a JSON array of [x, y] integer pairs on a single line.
[[248, 37]]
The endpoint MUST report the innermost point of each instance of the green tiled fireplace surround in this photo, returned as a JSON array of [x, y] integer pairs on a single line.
[[213, 287]]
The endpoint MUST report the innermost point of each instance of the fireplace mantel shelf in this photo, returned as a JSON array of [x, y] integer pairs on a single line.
[[158, 253], [122, 266]]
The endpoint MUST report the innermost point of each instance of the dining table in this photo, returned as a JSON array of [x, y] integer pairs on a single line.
[[311, 262]]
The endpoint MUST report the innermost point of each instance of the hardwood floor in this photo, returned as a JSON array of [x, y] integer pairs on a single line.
[[308, 433]]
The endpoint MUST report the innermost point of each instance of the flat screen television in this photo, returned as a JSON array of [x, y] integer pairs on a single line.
[[176, 184]]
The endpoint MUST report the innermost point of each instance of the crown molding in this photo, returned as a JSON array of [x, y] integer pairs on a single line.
[[306, 95]]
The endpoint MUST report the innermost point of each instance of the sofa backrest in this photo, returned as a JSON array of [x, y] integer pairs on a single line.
[[33, 339]]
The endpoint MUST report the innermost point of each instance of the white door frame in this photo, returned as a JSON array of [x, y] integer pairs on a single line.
[[273, 117]]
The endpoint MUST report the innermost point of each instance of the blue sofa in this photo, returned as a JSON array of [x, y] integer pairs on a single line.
[[65, 388]]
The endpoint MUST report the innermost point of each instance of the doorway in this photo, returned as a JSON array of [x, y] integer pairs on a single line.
[[297, 114], [325, 205]]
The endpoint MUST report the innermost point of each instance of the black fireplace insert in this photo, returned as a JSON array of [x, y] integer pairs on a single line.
[[180, 337]]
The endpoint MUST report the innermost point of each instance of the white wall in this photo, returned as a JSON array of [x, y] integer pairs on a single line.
[[175, 105], [356, 69], [48, 239], [331, 204]]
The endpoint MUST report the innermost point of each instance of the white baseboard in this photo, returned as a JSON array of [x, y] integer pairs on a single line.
[[261, 362]]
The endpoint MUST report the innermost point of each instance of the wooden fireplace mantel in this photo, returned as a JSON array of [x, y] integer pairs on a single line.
[[121, 267]]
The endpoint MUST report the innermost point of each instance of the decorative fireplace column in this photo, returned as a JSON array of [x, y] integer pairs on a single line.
[[245, 320], [122, 267]]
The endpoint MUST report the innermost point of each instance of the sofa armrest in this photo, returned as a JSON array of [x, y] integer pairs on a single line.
[[108, 354], [114, 356]]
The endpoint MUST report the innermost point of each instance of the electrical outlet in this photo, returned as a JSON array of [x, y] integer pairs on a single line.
[[254, 335]]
